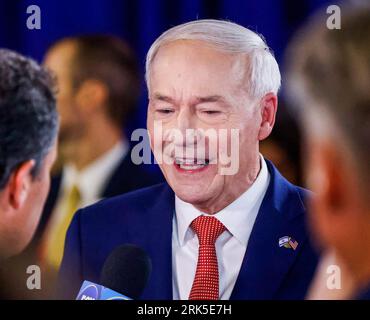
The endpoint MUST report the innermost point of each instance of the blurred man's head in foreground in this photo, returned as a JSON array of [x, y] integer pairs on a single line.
[[98, 80], [330, 82], [28, 130]]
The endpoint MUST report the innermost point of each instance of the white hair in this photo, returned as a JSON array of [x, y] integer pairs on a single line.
[[263, 70]]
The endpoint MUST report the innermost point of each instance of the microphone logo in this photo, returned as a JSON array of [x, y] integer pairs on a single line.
[[89, 291], [93, 291]]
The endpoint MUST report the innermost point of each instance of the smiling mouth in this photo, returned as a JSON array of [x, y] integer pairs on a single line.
[[191, 164]]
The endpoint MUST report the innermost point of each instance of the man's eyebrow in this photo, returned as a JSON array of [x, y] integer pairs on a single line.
[[161, 97], [212, 98], [196, 100]]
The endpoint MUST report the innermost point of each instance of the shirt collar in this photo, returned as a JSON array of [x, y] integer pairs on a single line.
[[238, 217], [92, 179]]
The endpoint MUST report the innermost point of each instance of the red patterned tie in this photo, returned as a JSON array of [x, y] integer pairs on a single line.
[[206, 284]]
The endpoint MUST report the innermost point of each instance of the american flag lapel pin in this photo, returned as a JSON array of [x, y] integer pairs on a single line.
[[288, 242]]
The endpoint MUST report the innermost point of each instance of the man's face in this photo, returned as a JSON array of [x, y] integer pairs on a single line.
[[59, 61], [27, 217], [193, 86], [31, 212]]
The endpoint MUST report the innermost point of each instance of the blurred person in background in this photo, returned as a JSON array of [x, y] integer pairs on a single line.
[[330, 82], [99, 89], [28, 131], [99, 86]]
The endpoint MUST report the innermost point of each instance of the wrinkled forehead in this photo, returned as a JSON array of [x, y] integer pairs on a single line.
[[193, 66]]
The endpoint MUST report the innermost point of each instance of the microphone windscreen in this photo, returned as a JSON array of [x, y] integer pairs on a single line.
[[127, 270]]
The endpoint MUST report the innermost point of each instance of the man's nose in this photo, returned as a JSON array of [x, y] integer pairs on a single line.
[[186, 129], [184, 120]]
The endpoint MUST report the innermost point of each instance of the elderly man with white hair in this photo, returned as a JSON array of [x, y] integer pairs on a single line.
[[226, 224]]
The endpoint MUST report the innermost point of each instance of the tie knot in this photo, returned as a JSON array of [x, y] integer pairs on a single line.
[[208, 229]]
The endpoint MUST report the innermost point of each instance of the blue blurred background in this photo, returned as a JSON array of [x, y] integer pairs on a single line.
[[141, 21]]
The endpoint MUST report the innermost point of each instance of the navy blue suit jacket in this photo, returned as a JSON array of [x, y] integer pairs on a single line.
[[144, 218], [125, 178]]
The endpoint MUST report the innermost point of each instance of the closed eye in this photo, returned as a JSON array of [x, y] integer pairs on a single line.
[[211, 112], [164, 111]]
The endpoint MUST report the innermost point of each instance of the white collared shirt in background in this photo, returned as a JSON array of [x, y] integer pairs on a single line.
[[238, 218], [89, 181]]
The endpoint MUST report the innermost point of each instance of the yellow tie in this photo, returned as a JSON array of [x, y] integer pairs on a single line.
[[55, 242]]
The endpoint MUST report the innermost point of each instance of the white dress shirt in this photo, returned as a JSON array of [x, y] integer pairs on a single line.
[[90, 182], [238, 217]]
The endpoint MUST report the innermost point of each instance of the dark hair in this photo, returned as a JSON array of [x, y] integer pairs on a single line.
[[28, 115], [110, 60], [333, 67]]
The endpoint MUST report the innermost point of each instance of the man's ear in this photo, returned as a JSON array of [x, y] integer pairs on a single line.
[[329, 177], [20, 183], [333, 177], [268, 107], [91, 95]]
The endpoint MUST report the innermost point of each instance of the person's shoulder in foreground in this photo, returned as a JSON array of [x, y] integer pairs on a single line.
[[279, 262]]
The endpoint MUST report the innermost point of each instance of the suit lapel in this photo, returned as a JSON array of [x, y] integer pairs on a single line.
[[265, 264], [114, 185], [134, 177], [157, 239]]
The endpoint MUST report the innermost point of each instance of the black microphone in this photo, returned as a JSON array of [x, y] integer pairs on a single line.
[[127, 270], [124, 276]]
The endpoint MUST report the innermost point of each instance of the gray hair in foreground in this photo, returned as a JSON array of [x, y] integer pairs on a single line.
[[329, 82]]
